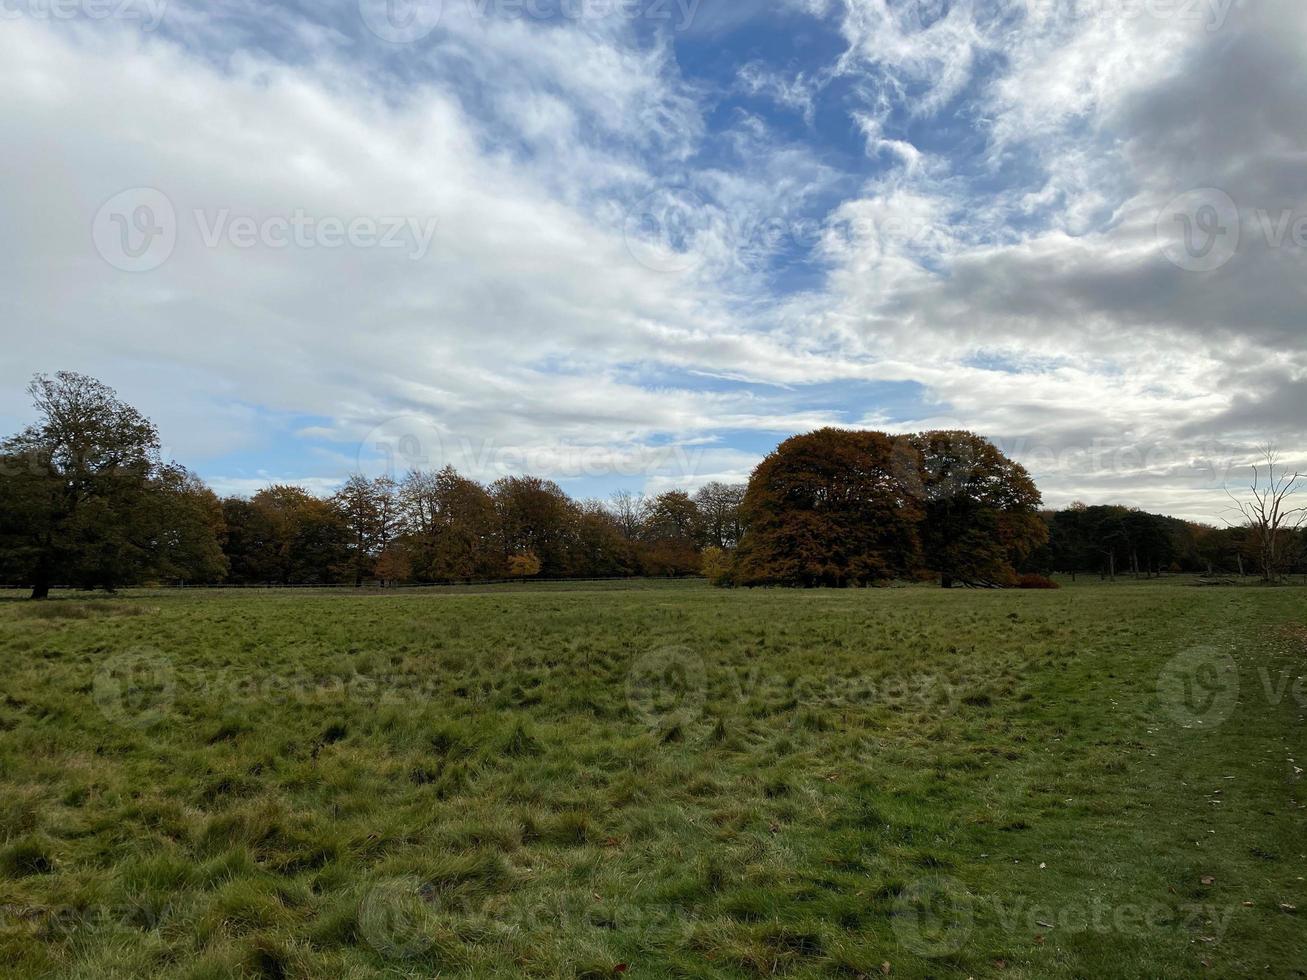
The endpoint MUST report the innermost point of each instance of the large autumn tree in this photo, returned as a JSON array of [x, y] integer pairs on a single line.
[[450, 527], [670, 535], [981, 508], [287, 536], [535, 517], [829, 509]]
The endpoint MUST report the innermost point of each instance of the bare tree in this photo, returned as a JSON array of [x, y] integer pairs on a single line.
[[1269, 512], [720, 504], [630, 509]]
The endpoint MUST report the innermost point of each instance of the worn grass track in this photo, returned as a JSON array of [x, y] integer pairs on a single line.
[[655, 781]]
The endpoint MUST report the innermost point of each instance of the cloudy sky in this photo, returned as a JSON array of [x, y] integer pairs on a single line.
[[636, 243]]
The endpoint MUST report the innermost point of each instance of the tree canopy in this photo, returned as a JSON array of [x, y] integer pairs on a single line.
[[839, 507]]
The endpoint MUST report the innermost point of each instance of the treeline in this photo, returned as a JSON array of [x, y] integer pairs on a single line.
[[1112, 541], [443, 527], [86, 501]]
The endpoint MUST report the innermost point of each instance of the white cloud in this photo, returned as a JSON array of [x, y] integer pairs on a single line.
[[1021, 282]]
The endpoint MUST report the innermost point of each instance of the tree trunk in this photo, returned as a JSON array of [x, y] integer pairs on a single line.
[[41, 582], [946, 581]]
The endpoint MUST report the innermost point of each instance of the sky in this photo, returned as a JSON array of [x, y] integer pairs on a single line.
[[635, 244]]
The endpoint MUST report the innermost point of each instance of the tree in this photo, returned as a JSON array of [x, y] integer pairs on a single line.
[[717, 567], [85, 499], [393, 565], [669, 536], [535, 517], [450, 527], [369, 511], [191, 527], [1271, 514], [719, 510], [600, 549], [629, 509], [981, 508], [828, 508], [285, 535], [523, 566]]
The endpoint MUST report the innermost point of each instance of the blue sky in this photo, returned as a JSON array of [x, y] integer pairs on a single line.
[[635, 245]]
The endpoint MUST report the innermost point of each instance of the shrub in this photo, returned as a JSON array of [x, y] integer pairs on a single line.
[[718, 568], [1036, 582]]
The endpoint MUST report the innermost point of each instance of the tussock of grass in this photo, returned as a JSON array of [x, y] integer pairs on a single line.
[[68, 609], [29, 856]]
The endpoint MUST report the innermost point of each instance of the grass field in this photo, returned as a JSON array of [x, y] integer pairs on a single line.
[[656, 781]]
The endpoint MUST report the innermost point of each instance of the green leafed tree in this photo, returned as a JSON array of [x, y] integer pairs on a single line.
[[981, 509], [449, 527], [85, 500]]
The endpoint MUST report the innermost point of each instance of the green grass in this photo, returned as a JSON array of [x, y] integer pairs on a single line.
[[655, 781]]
